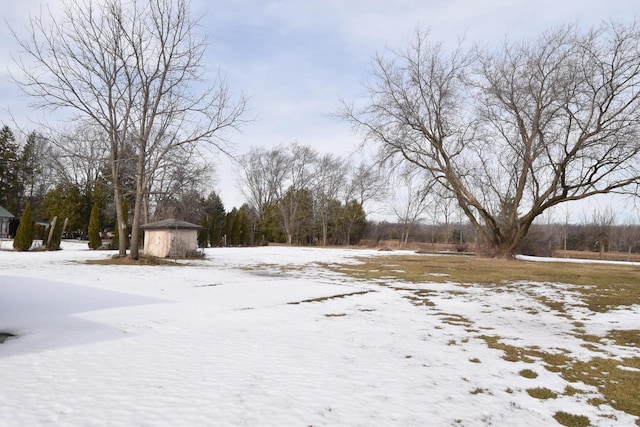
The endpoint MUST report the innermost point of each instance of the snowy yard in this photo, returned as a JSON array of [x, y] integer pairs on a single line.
[[268, 336]]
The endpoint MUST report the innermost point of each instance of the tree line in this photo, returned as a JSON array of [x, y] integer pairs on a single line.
[[507, 133], [297, 195], [294, 194], [597, 234]]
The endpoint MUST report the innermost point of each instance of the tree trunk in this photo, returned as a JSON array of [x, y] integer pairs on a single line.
[[503, 242], [325, 232], [117, 195], [503, 251], [137, 209], [52, 226]]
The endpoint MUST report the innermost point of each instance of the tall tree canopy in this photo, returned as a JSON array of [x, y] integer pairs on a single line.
[[135, 70], [8, 170], [513, 131]]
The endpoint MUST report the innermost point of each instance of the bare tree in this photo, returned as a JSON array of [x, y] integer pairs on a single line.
[[514, 131], [330, 179], [281, 177], [81, 154], [135, 70], [297, 182], [629, 236], [262, 173], [177, 178], [602, 222], [412, 198], [365, 182], [443, 209]]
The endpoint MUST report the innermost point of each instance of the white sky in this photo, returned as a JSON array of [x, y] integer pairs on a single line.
[[296, 59]]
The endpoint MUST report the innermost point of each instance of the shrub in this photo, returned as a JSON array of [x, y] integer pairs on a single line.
[[56, 237], [203, 234], [94, 228], [24, 234]]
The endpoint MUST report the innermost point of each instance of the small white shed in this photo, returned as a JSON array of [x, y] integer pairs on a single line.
[[171, 238]]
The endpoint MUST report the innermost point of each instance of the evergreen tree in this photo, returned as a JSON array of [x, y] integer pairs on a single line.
[[8, 170], [229, 219], [32, 179], [352, 222], [67, 201], [203, 234], [235, 229], [270, 228], [24, 235], [214, 208], [246, 237], [94, 228], [56, 238]]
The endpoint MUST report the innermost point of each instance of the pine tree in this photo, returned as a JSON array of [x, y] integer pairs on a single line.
[[228, 226], [234, 235], [214, 209], [9, 188], [94, 228], [56, 236], [244, 230], [203, 234], [236, 231], [24, 235]]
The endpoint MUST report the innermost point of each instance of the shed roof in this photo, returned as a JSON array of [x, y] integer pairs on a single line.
[[5, 213], [171, 224]]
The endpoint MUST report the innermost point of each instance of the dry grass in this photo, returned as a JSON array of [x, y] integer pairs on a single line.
[[528, 373], [601, 287], [617, 380], [541, 393], [471, 269], [570, 420]]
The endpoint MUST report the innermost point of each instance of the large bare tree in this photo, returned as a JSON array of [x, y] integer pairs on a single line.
[[516, 130], [134, 69]]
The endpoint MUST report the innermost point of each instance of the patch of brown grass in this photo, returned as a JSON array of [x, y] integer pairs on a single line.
[[321, 299], [542, 393], [602, 286], [625, 337], [528, 373], [619, 386], [571, 420], [617, 380]]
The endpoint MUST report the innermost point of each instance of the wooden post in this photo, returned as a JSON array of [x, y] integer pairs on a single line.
[[64, 227], [52, 226]]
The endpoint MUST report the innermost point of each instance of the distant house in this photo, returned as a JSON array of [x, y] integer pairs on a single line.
[[171, 238], [5, 217]]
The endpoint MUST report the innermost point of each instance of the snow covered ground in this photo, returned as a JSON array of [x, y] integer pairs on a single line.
[[252, 336]]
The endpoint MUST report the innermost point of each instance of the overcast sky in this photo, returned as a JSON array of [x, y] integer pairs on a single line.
[[295, 59]]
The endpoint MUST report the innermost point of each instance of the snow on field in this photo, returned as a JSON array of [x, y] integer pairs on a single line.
[[252, 336]]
